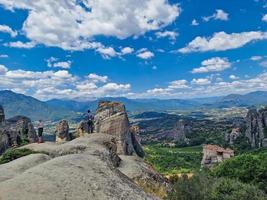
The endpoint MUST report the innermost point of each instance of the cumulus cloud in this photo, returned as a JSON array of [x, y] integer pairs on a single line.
[[222, 41], [97, 78], [233, 77], [215, 64], [178, 84], [204, 87], [218, 15], [59, 84], [127, 50], [72, 25], [145, 54], [7, 29], [201, 81], [21, 45], [53, 62], [167, 34]]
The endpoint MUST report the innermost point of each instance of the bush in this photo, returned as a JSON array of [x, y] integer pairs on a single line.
[[203, 187], [229, 189], [13, 154], [248, 168]]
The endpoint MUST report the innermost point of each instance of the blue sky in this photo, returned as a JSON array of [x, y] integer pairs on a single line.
[[84, 49]]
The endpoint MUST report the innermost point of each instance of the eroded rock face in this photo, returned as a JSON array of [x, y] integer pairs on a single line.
[[13, 131], [256, 126], [62, 131], [111, 118], [82, 129], [84, 168], [2, 115]]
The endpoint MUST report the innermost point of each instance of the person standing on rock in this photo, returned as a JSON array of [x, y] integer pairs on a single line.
[[40, 127], [90, 121]]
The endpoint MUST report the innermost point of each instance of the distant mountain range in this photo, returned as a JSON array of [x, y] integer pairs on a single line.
[[55, 109], [19, 104]]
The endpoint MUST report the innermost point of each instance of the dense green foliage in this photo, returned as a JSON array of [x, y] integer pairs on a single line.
[[174, 160], [13, 154], [248, 168], [203, 187]]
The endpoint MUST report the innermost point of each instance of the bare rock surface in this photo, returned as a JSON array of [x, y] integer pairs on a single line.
[[62, 131], [85, 168], [256, 131], [111, 118]]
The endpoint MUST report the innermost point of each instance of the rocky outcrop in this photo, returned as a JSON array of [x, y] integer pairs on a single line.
[[111, 118], [85, 168], [82, 129], [256, 121], [62, 131], [2, 115], [16, 130]]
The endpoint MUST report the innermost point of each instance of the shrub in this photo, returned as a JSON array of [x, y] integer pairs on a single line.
[[13, 154]]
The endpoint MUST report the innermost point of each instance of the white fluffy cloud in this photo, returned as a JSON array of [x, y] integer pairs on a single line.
[[263, 63], [127, 50], [233, 77], [21, 45], [201, 81], [167, 34], [59, 84], [72, 24], [222, 41], [53, 62], [178, 84], [218, 15], [96, 78], [7, 29], [145, 54], [215, 64]]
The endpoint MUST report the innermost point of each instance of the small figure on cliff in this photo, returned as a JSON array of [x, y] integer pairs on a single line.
[[90, 121], [40, 127]]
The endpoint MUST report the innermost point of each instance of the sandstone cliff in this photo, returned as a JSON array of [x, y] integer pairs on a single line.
[[111, 118], [85, 168], [256, 127], [13, 131]]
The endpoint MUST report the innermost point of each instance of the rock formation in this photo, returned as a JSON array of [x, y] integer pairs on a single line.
[[15, 131], [62, 131], [82, 129], [111, 118], [256, 131], [85, 168], [213, 154], [2, 115]]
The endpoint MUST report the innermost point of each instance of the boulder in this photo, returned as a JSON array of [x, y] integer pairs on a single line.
[[25, 129], [84, 168], [82, 129], [62, 131], [111, 118]]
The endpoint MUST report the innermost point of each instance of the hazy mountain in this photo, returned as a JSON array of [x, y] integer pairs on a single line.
[[19, 104], [250, 99]]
